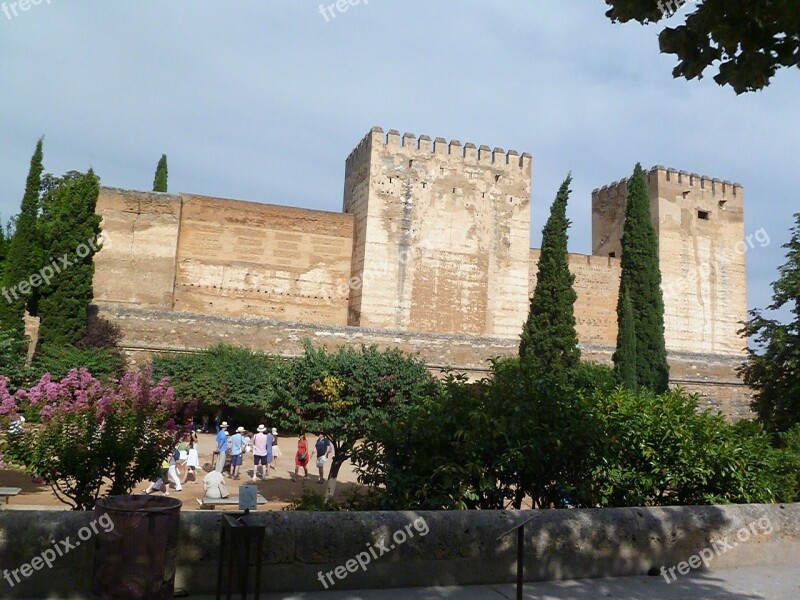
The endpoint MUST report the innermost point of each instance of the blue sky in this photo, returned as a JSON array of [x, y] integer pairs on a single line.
[[264, 100]]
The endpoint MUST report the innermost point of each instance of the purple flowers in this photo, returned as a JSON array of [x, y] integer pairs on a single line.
[[80, 392], [109, 435]]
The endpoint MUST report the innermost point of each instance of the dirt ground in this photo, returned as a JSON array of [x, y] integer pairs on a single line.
[[278, 489]]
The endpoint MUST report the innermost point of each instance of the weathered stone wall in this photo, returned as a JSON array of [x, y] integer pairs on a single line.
[[700, 227], [433, 549], [442, 235], [191, 253], [136, 265], [596, 285]]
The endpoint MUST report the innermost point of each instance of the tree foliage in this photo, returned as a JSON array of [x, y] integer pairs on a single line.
[[342, 393], [549, 342], [5, 241], [641, 281], [749, 40], [70, 227], [625, 358], [84, 437], [160, 179], [226, 376], [660, 450], [23, 255], [443, 453], [773, 366]]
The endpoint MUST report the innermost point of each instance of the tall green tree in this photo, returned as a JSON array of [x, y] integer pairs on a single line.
[[549, 342], [4, 242], [625, 361], [160, 181], [70, 229], [641, 280], [773, 366], [23, 255]]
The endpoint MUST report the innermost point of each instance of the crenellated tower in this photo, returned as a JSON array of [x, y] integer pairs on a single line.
[[441, 235], [700, 227]]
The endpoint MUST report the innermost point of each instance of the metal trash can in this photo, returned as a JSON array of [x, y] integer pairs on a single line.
[[135, 560]]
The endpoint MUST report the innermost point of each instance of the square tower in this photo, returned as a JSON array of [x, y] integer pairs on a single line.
[[441, 235], [699, 222]]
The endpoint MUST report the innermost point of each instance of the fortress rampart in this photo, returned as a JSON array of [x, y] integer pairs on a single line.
[[431, 253]]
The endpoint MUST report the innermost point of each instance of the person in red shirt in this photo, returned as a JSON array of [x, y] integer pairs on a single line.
[[301, 457]]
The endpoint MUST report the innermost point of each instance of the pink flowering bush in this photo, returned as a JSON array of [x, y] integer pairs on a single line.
[[85, 437]]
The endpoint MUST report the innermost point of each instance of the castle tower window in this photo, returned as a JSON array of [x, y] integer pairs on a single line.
[[612, 254], [703, 214]]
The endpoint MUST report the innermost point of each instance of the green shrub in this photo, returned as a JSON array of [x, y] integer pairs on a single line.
[[60, 360], [226, 376], [660, 450]]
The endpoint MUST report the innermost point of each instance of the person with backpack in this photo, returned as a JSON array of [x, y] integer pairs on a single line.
[[301, 456]]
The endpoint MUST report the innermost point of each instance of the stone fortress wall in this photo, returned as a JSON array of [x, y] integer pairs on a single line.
[[431, 253]]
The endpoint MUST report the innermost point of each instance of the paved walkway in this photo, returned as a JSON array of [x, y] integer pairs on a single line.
[[764, 583]]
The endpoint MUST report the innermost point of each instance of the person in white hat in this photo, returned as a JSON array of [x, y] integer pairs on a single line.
[[222, 446], [276, 451], [260, 453], [237, 447]]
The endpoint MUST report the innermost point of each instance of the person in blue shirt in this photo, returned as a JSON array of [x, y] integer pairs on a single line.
[[222, 446], [322, 448], [237, 447]]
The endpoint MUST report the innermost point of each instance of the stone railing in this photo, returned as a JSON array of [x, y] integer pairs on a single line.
[[317, 551]]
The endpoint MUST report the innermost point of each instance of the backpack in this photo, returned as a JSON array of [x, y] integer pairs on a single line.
[[176, 455]]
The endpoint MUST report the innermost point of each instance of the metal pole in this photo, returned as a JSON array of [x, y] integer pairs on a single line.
[[520, 560]]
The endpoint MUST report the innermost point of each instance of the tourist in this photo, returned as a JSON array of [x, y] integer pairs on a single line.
[[270, 456], [301, 457], [276, 451], [222, 446], [248, 442], [183, 447], [192, 462], [214, 486], [159, 480], [322, 449], [172, 468], [237, 447], [260, 453]]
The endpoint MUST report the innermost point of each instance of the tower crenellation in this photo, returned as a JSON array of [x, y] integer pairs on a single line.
[[424, 145]]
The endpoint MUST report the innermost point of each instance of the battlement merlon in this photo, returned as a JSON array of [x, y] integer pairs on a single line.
[[424, 146], [692, 182]]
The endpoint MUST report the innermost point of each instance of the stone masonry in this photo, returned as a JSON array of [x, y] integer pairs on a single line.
[[431, 253]]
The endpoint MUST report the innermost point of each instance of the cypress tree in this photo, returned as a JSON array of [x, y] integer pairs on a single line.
[[549, 342], [625, 356], [160, 181], [641, 280], [22, 258], [71, 228], [4, 241]]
